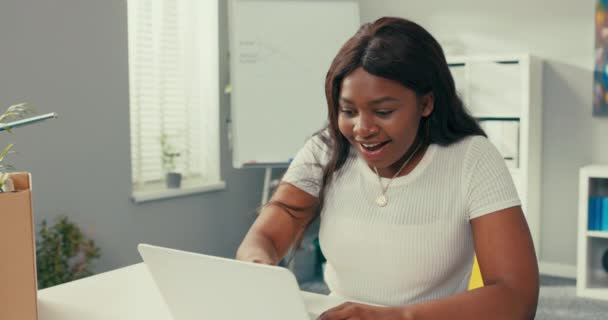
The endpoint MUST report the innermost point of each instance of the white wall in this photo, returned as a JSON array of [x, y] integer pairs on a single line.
[[562, 33], [560, 30]]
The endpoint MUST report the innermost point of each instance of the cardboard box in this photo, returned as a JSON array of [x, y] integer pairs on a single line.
[[18, 290]]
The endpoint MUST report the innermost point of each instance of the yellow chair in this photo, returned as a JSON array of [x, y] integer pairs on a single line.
[[476, 279]]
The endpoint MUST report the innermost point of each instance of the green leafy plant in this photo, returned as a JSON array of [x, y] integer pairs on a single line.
[[170, 155], [63, 253], [14, 112], [4, 167]]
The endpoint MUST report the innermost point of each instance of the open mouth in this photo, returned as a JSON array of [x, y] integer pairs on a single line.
[[372, 147]]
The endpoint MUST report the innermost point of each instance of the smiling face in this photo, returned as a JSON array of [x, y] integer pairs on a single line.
[[380, 118]]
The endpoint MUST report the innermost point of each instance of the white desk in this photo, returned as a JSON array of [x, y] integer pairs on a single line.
[[126, 293]]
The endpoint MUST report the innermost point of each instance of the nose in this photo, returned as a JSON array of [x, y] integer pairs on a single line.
[[365, 126]]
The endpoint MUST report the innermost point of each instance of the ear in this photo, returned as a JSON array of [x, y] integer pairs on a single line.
[[428, 104]]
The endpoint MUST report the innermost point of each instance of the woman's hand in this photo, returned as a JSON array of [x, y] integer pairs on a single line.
[[262, 261], [359, 311]]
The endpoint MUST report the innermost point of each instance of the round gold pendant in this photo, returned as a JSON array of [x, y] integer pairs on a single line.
[[381, 200]]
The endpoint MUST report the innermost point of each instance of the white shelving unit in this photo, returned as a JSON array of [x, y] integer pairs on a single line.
[[591, 279], [505, 94]]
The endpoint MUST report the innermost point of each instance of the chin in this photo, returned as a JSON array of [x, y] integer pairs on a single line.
[[379, 164]]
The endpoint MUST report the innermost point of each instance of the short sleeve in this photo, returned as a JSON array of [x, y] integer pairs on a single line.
[[306, 170], [488, 185]]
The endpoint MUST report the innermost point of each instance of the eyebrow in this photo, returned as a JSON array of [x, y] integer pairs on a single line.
[[373, 102]]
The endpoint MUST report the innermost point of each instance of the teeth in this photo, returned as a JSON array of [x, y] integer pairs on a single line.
[[371, 145]]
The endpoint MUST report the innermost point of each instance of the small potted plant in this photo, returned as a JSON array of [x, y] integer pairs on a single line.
[[170, 155], [18, 276], [14, 112]]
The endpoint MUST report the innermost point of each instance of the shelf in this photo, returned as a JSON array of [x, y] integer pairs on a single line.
[[597, 234], [594, 293], [503, 92], [457, 60], [595, 171], [497, 117], [597, 284], [592, 279]]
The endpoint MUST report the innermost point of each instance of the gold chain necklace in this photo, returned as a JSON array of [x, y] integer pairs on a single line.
[[382, 199]]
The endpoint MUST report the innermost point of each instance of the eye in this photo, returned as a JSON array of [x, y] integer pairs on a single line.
[[346, 111], [384, 113]]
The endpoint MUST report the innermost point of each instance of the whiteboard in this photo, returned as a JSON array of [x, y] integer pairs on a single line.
[[280, 52]]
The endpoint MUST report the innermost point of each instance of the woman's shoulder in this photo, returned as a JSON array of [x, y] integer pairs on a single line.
[[469, 151], [316, 149], [319, 142], [470, 144], [476, 151]]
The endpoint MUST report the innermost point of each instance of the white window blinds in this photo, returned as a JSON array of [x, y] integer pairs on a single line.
[[174, 89]]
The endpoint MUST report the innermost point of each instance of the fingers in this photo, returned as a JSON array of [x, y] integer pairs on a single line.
[[347, 310], [261, 261]]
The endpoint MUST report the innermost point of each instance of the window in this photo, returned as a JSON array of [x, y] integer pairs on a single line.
[[174, 95]]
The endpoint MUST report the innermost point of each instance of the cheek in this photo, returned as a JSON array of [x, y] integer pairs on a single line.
[[344, 125], [403, 127]]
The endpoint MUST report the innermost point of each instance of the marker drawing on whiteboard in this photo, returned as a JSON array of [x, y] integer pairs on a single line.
[[248, 51]]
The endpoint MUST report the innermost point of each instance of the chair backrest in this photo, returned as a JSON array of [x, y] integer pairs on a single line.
[[476, 279]]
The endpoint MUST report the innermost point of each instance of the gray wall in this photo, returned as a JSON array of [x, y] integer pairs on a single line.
[[71, 57]]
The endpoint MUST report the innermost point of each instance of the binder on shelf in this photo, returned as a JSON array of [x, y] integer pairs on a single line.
[[591, 215], [597, 220], [598, 213], [604, 214]]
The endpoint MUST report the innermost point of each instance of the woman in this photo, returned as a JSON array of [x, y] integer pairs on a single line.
[[408, 190]]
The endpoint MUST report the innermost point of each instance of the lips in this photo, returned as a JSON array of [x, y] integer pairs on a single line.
[[374, 146], [373, 151]]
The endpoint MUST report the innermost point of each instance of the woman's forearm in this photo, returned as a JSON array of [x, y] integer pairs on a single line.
[[497, 302], [259, 249]]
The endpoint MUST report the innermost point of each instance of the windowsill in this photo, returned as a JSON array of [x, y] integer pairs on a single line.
[[159, 191]]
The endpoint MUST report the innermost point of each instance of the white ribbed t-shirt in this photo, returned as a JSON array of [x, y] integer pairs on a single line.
[[420, 246]]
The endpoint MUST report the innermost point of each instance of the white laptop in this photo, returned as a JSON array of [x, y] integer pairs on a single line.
[[197, 286]]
